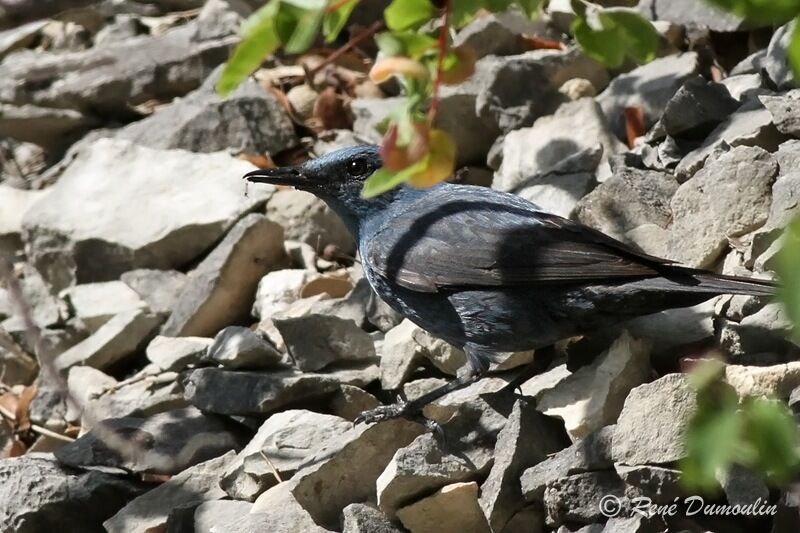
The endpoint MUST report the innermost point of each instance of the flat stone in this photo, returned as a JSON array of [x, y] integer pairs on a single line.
[[575, 127], [675, 327], [250, 393], [588, 454], [628, 199], [776, 62], [146, 220], [784, 111], [287, 439], [577, 498], [697, 107], [451, 509], [692, 14], [84, 384], [214, 516], [110, 78], [194, 485], [306, 218], [236, 347], [335, 340], [363, 518], [278, 289], [349, 402], [38, 494], [166, 443], [47, 127], [661, 485], [559, 194], [277, 510], [648, 87], [159, 288], [117, 339], [640, 437], [775, 381], [220, 291], [175, 353], [729, 197], [527, 439], [345, 470], [97, 303], [593, 396]]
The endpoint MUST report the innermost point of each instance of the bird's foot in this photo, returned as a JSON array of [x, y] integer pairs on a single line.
[[408, 410]]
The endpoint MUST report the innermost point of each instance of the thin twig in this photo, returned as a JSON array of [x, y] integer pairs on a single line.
[[37, 428], [364, 34], [271, 466], [442, 45]]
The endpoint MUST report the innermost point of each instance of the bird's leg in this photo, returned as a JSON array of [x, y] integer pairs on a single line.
[[476, 368], [541, 362]]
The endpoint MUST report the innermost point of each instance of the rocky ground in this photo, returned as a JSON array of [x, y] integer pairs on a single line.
[[202, 349]]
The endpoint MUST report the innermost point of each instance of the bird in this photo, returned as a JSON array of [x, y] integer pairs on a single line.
[[488, 271]]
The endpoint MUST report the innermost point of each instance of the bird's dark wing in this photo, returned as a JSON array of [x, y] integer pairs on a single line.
[[469, 236]]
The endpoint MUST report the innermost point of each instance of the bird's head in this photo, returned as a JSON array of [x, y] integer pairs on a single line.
[[337, 178]]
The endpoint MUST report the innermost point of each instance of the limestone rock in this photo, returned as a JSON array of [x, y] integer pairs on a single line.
[[236, 347], [97, 303], [451, 509]]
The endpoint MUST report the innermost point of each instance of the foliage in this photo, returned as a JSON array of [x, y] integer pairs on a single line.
[[756, 432]]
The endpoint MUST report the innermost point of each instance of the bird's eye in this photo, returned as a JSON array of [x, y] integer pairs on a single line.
[[357, 168]]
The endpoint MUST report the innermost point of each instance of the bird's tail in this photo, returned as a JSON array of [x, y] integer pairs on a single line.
[[721, 284]]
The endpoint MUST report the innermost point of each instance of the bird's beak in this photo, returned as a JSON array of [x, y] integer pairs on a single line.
[[278, 176]]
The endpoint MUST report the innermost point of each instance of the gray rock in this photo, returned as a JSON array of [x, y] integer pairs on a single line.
[[661, 485], [249, 120], [146, 393], [277, 510], [221, 18], [729, 197], [743, 486], [220, 291], [628, 199], [166, 443], [593, 396], [20, 37], [92, 228], [249, 393], [649, 87], [124, 26], [586, 455], [459, 117], [117, 339], [499, 34], [450, 509], [576, 498], [97, 303], [84, 384], [349, 402], [159, 288], [38, 494], [577, 127], [527, 438], [369, 113], [675, 327], [765, 331], [777, 381], [110, 78], [345, 470], [641, 438], [46, 310], [333, 140], [692, 14], [750, 125], [776, 62], [278, 289], [335, 340], [363, 518], [785, 206], [557, 193], [175, 353], [520, 89], [697, 107], [287, 439], [214, 516], [236, 347], [194, 485], [48, 127], [308, 219], [784, 111], [742, 86]]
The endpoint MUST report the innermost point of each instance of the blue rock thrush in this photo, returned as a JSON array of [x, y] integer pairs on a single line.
[[488, 271]]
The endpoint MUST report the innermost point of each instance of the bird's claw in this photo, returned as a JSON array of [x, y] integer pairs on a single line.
[[383, 413]]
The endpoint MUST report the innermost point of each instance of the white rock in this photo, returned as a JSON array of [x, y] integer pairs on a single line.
[[14, 203], [96, 303], [451, 509], [174, 353], [278, 289]]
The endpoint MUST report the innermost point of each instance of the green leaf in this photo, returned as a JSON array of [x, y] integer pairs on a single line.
[[259, 39], [794, 49], [713, 442], [788, 268], [411, 44], [761, 11], [609, 35], [305, 30], [334, 21], [772, 431], [407, 14], [463, 11], [384, 180]]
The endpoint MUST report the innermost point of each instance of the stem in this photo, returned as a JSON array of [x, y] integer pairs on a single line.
[[336, 5], [366, 33], [437, 82]]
